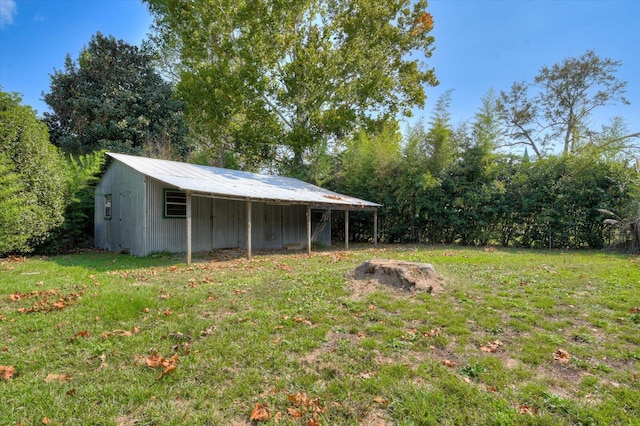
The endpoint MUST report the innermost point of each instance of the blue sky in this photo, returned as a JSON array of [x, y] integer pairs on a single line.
[[480, 44]]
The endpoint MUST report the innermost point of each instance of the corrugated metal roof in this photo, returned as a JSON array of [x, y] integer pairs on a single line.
[[225, 183]]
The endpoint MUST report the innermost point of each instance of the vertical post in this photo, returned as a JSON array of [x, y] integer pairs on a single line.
[[375, 228], [346, 229], [308, 228], [188, 228], [249, 229]]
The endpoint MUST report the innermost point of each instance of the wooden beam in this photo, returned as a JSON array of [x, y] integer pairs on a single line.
[[249, 229], [375, 228], [309, 228], [346, 229], [188, 228]]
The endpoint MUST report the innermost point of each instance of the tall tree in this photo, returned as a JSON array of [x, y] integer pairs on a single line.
[[31, 171], [276, 78], [111, 98], [568, 93], [439, 144]]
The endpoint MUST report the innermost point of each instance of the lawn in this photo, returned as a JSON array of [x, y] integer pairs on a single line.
[[516, 337]]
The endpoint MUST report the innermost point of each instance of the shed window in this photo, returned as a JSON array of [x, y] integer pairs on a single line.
[[107, 206], [175, 203]]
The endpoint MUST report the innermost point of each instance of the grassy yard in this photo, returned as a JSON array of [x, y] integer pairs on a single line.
[[516, 337]]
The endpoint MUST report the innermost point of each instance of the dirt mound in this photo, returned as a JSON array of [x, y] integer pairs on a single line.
[[400, 275]]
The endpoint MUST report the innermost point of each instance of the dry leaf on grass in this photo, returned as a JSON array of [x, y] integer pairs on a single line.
[[492, 346], [302, 320], [380, 400], [57, 378], [7, 372], [527, 409], [259, 413], [156, 360], [562, 356]]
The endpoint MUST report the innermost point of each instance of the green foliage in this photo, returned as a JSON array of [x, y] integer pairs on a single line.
[[77, 230], [272, 80], [446, 185], [558, 114], [14, 230], [34, 174], [110, 98]]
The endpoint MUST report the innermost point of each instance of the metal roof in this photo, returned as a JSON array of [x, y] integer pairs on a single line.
[[233, 184]]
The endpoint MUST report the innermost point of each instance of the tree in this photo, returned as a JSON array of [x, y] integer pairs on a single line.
[[14, 232], [568, 93], [111, 98], [272, 80], [32, 176]]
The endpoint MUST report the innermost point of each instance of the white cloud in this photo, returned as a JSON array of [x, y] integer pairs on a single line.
[[38, 17], [8, 11]]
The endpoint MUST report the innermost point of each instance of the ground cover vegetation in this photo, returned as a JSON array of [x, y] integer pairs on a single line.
[[515, 337]]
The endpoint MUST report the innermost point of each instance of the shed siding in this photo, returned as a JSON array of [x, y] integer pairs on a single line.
[[138, 224], [125, 230]]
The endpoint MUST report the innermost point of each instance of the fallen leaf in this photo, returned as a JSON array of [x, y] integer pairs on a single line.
[[562, 356], [313, 422], [46, 420], [432, 333], [448, 363], [302, 320], [7, 372], [380, 400], [155, 360], [527, 409], [57, 378], [492, 346], [634, 310], [82, 334], [294, 412], [169, 368], [259, 413]]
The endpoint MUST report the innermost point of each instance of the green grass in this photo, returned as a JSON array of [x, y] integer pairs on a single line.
[[280, 325]]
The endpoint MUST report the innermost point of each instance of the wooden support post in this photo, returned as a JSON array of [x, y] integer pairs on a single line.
[[188, 228], [249, 229], [308, 228], [375, 228], [346, 229]]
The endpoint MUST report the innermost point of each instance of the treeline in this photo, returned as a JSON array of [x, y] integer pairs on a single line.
[[475, 196]]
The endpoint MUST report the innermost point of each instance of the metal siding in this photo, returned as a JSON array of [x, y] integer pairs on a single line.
[[138, 223], [163, 234], [226, 224], [294, 225], [201, 224], [125, 230]]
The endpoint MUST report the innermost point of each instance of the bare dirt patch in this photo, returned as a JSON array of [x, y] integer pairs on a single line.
[[396, 275]]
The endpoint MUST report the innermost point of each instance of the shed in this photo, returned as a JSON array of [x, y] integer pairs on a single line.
[[145, 205]]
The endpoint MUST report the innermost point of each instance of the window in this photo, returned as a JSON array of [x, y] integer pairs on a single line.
[[107, 206], [175, 203]]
